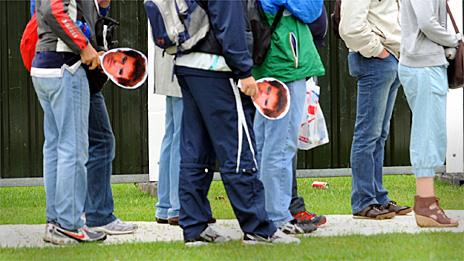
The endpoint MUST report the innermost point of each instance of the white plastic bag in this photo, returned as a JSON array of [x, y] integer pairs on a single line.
[[313, 130]]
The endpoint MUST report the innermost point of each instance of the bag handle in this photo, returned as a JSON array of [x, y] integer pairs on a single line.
[[455, 25]]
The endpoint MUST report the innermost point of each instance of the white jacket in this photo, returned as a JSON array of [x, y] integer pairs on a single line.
[[369, 26]]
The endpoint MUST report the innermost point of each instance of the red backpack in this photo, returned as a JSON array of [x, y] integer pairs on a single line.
[[28, 42]]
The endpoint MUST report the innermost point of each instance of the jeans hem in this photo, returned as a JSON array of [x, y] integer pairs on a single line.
[[161, 214], [173, 214], [192, 233], [383, 203], [372, 202], [424, 172], [297, 205], [100, 223], [281, 222]]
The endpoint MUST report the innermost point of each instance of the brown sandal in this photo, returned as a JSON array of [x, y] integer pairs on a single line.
[[374, 212], [429, 213]]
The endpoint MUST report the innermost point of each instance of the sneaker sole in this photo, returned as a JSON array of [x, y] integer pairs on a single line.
[[96, 240], [63, 241], [113, 232], [254, 242], [162, 221], [404, 212], [389, 215], [197, 244], [47, 240], [423, 221], [322, 222], [309, 231]]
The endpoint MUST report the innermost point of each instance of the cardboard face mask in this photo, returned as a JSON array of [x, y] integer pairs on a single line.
[[126, 67], [272, 99]]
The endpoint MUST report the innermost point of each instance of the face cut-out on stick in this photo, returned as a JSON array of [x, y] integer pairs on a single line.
[[272, 99], [126, 67]]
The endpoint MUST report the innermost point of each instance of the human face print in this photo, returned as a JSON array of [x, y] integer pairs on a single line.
[[267, 97], [119, 65]]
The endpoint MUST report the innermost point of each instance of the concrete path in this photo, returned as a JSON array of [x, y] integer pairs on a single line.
[[338, 225]]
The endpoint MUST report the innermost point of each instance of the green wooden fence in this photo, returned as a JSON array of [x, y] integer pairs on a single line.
[[21, 134]]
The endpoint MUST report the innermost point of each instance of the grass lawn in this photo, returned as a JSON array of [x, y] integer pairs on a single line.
[[436, 246], [26, 205]]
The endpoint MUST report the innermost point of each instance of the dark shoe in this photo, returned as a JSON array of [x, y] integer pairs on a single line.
[[429, 213], [306, 226], [162, 221], [279, 237], [174, 221], [312, 217], [399, 210], [374, 212], [209, 235]]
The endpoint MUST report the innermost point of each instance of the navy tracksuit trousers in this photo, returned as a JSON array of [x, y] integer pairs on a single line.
[[209, 131]]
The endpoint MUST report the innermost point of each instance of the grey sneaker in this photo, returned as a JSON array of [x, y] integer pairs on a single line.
[[208, 236], [117, 227], [279, 237], [305, 226], [61, 236]]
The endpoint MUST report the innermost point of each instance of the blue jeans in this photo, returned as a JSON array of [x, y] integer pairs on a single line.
[[65, 102], [426, 89], [378, 85], [99, 205], [169, 165], [276, 142]]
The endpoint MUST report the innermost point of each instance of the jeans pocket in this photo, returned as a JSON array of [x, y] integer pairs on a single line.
[[440, 90], [438, 80]]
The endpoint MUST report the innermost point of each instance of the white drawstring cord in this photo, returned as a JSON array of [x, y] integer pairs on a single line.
[[242, 124]]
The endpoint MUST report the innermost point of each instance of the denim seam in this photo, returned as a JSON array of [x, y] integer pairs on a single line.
[[429, 101], [172, 149], [284, 148], [76, 150], [365, 126]]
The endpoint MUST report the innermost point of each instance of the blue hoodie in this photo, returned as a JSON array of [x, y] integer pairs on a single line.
[[305, 10]]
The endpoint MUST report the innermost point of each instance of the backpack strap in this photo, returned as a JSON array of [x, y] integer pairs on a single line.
[[277, 19]]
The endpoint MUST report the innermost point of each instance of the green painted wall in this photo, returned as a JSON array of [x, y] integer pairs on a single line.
[[21, 131]]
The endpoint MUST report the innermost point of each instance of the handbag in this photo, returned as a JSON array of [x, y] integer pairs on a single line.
[[313, 130], [456, 67]]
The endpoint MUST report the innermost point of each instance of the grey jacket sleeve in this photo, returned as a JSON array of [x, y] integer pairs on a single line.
[[55, 14], [429, 24]]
